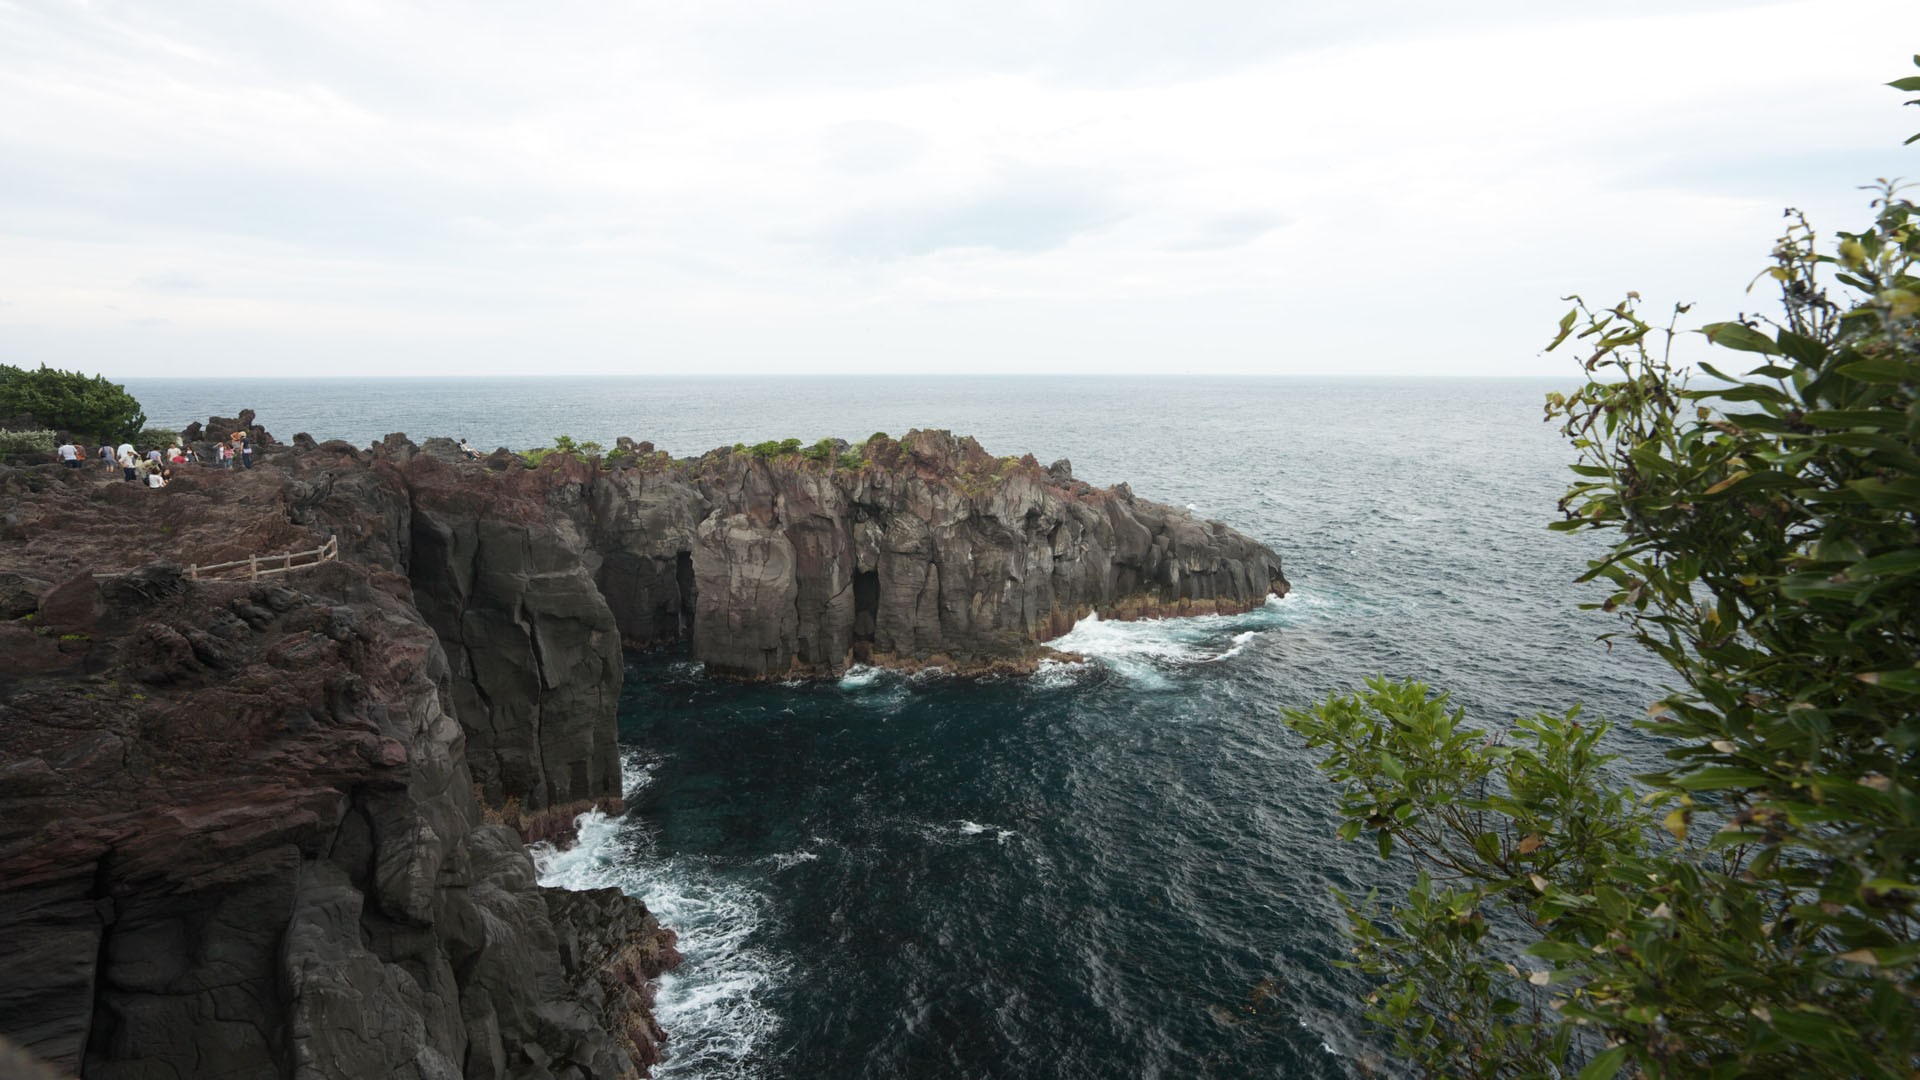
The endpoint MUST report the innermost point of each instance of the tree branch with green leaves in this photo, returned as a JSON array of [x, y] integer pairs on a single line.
[[1750, 909]]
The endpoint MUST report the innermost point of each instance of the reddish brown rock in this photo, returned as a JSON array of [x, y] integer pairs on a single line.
[[261, 827], [238, 832]]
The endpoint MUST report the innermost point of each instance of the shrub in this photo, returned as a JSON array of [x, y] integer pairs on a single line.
[[771, 449], [69, 401], [151, 437], [1752, 912], [566, 446], [851, 461], [27, 442], [822, 452]]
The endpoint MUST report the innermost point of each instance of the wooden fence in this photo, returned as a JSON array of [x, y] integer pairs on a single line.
[[259, 566]]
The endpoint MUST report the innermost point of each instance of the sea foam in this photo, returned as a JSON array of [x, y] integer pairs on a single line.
[[714, 1005]]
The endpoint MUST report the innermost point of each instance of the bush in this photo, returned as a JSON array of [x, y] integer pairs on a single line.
[[771, 449], [1753, 911], [851, 461], [149, 438], [567, 447], [27, 442], [822, 452], [69, 401]]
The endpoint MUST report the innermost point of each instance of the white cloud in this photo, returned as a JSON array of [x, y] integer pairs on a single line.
[[854, 185]]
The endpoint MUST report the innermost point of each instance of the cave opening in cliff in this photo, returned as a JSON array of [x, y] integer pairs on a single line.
[[683, 577], [866, 609]]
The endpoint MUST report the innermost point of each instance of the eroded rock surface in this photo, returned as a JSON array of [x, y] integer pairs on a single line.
[[928, 551], [260, 827], [239, 835]]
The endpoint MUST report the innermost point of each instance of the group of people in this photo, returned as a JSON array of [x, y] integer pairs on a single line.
[[155, 468]]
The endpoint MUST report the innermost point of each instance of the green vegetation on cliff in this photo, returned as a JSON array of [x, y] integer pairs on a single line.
[[68, 401]]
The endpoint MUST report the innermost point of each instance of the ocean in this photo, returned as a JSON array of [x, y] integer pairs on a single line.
[[1111, 869]]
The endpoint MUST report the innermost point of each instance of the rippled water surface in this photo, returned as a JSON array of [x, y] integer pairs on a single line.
[[1114, 869]]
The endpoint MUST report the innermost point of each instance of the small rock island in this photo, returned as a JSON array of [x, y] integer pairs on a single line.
[[273, 741]]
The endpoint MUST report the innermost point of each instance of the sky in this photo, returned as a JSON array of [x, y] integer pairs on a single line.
[[1261, 187]]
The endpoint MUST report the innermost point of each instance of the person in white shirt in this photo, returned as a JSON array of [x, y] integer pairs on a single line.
[[70, 454]]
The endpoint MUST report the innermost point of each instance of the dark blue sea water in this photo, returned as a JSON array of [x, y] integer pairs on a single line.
[[1117, 869]]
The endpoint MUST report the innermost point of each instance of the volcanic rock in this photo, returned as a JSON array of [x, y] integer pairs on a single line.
[[259, 819]]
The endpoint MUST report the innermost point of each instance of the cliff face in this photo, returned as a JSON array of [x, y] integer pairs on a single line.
[[504, 574], [931, 551], [259, 828], [238, 832]]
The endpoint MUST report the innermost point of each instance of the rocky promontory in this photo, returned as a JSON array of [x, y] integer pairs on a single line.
[[923, 551], [277, 825]]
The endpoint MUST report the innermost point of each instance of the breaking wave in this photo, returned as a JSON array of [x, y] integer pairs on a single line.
[[714, 1006], [1149, 653]]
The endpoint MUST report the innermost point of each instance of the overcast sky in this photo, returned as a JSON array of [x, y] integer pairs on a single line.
[[1264, 187]]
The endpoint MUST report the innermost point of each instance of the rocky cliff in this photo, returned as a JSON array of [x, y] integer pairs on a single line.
[[921, 551], [261, 827], [239, 831]]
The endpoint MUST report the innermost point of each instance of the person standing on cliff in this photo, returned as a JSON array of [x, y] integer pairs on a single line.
[[246, 450], [70, 455], [128, 463]]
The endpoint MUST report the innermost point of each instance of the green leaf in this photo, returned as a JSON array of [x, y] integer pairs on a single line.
[[1560, 952], [1856, 418], [1804, 349], [1880, 369], [1911, 82], [1566, 327], [1751, 392], [1733, 335], [1903, 679], [1889, 494], [1816, 586], [1605, 1064], [1898, 562], [1720, 777]]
